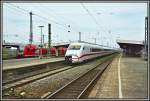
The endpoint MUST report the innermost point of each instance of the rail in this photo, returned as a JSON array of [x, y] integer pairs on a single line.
[[77, 87]]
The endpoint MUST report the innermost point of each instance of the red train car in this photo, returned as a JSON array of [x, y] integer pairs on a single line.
[[44, 51], [30, 50], [53, 51], [62, 51]]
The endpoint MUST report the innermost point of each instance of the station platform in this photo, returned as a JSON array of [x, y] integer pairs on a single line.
[[125, 78], [24, 62]]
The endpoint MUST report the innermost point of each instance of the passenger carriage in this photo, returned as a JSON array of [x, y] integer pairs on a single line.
[[80, 51]]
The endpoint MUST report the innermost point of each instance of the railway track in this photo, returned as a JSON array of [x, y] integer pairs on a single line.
[[31, 78], [11, 76], [77, 87], [13, 85], [9, 87]]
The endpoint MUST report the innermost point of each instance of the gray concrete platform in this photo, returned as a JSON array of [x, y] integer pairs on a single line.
[[126, 77], [19, 63]]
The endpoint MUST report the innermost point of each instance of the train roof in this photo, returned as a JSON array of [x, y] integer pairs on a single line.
[[91, 44]]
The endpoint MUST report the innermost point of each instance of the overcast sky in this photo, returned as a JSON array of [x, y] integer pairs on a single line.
[[103, 21]]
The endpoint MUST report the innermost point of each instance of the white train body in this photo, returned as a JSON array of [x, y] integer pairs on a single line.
[[79, 52]]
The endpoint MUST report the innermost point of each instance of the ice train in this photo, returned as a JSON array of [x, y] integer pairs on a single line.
[[81, 51]]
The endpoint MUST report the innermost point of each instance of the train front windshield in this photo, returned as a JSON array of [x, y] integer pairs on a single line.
[[74, 47]]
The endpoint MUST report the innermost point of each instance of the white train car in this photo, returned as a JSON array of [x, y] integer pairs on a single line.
[[81, 51]]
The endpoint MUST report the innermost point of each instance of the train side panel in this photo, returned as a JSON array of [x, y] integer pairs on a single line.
[[85, 52]]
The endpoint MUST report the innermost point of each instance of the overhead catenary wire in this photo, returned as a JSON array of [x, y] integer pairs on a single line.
[[89, 13], [47, 19], [15, 9], [19, 7], [94, 19], [62, 18], [42, 17], [25, 12], [47, 14]]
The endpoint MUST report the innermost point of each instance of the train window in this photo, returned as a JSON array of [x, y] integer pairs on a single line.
[[86, 48], [83, 48], [95, 50], [74, 47]]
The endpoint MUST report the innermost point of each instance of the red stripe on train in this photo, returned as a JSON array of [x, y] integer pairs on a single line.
[[88, 54]]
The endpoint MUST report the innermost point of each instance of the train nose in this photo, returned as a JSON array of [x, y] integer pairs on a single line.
[[68, 59]]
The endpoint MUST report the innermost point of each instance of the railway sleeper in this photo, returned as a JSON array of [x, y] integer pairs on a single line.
[[75, 88], [79, 84], [67, 96]]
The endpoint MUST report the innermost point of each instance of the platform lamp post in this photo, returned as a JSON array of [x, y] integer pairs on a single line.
[[40, 56]]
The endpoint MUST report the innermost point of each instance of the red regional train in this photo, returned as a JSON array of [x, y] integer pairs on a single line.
[[31, 50]]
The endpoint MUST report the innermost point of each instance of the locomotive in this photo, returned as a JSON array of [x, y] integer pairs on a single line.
[[81, 51]]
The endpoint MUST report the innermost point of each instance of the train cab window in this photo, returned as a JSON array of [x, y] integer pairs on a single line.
[[74, 47]]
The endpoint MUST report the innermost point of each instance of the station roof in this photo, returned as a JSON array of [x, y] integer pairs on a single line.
[[13, 44], [60, 44], [130, 42]]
